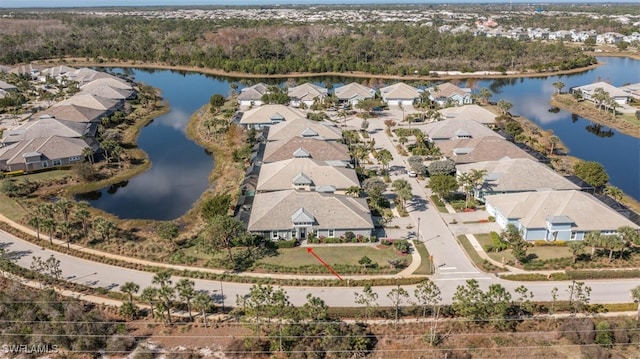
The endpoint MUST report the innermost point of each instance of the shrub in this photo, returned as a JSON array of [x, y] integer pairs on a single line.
[[491, 219], [402, 246], [286, 244], [603, 274], [526, 277], [349, 236]]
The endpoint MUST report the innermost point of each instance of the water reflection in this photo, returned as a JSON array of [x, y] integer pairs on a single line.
[[599, 130]]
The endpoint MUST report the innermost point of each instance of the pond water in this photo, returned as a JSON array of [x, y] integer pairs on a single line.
[[180, 168]]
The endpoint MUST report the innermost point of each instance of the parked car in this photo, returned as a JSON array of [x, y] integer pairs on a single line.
[[412, 174]]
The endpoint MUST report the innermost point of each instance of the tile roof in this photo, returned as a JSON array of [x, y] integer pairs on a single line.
[[533, 208], [518, 174], [253, 93], [401, 91], [447, 90], [295, 128], [274, 210], [352, 90], [45, 127], [73, 113], [317, 149], [106, 91], [265, 114], [280, 175], [449, 129], [608, 88], [470, 112], [53, 147], [91, 101], [491, 148], [307, 92]]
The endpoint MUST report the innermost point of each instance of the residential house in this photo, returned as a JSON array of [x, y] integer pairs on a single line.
[[71, 113], [449, 94], [305, 174], [6, 88], [352, 93], [33, 71], [59, 73], [302, 127], [301, 147], [455, 129], [107, 105], [269, 115], [490, 148], [399, 94], [252, 96], [587, 92], [582, 36], [108, 92], [555, 215], [511, 175], [306, 94], [634, 37], [43, 152], [46, 127], [470, 112], [107, 80], [560, 35], [293, 214], [632, 89], [609, 38]]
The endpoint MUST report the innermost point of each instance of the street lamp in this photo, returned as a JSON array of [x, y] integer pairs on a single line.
[[418, 235]]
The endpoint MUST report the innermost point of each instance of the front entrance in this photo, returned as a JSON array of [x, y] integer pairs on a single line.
[[302, 233]]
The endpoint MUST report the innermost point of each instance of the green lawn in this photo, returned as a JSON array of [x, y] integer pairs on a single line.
[[541, 253], [296, 257], [475, 257], [11, 209], [426, 267], [46, 175]]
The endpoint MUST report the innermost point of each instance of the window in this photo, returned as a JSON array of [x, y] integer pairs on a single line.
[[574, 235], [45, 164], [74, 158], [57, 162], [274, 234], [331, 233]]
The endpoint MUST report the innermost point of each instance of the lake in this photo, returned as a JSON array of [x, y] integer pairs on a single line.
[[180, 168]]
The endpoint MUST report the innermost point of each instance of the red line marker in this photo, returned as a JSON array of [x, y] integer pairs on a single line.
[[310, 250]]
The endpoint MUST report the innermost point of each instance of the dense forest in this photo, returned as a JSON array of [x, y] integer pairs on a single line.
[[272, 47]]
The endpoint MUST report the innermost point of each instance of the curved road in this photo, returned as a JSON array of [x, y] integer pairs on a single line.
[[453, 266]]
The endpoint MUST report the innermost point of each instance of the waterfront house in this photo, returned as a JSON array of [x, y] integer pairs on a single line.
[[306, 94], [511, 175], [269, 115], [48, 126], [587, 91], [352, 93], [455, 129], [302, 127], [399, 94], [555, 215], [470, 112], [491, 148], [449, 94], [293, 214], [252, 96], [44, 152], [71, 113]]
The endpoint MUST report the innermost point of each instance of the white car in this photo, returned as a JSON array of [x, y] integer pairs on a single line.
[[412, 174]]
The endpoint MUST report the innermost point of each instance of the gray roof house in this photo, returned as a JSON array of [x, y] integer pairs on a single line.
[[399, 94], [490, 148], [269, 115], [72, 113], [5, 86], [302, 127], [314, 148], [85, 76], [107, 91], [46, 127], [353, 93], [555, 215], [305, 174], [295, 214], [92, 101], [43, 152], [470, 112], [306, 93], [455, 129], [509, 175], [252, 96], [587, 92]]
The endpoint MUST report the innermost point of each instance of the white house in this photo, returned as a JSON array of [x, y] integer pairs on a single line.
[[399, 94]]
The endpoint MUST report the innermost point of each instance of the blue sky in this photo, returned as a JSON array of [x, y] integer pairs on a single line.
[[89, 3]]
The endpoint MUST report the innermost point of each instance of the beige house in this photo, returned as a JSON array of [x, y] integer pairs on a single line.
[[305, 147], [481, 149], [306, 174], [46, 127], [71, 113], [252, 96], [302, 127], [270, 115], [353, 93], [450, 94], [306, 94], [399, 94], [456, 129], [510, 175], [470, 112], [109, 106], [295, 214]]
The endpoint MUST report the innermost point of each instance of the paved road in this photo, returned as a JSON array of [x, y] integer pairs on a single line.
[[453, 266]]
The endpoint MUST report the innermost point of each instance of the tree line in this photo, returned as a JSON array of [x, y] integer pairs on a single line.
[[279, 48]]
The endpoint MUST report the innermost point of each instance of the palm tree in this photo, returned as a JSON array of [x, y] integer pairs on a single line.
[[559, 86], [202, 302], [186, 291], [485, 94], [35, 221], [354, 191], [403, 190], [87, 153], [65, 230], [149, 295], [166, 291], [104, 228], [595, 240], [49, 226], [82, 215], [64, 206], [130, 288], [504, 106], [466, 182]]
